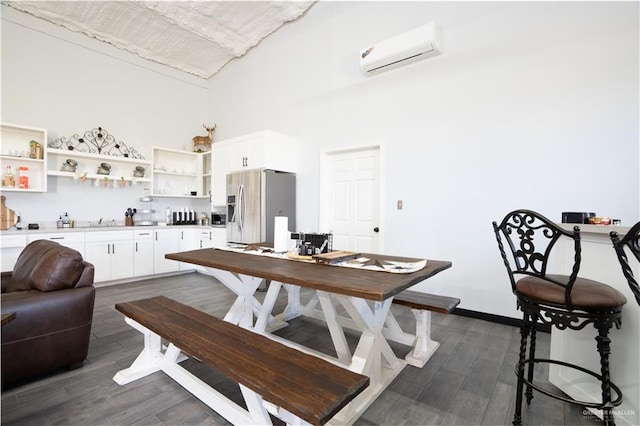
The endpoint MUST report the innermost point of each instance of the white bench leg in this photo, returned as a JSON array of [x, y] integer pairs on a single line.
[[423, 346], [148, 360], [151, 359]]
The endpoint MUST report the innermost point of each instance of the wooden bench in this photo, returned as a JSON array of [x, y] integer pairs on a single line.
[[421, 305], [294, 386]]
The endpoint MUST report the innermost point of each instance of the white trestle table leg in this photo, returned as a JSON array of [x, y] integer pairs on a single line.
[[335, 329], [262, 320], [292, 310], [246, 305], [367, 359]]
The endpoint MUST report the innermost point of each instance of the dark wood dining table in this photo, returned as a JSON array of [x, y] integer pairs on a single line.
[[365, 296], [366, 284]]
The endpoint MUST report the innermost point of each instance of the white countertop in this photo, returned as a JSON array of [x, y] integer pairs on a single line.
[[596, 229], [25, 231]]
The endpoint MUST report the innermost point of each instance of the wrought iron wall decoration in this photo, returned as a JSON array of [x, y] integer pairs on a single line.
[[96, 141]]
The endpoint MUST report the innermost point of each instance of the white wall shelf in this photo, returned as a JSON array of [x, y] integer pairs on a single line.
[[16, 153], [122, 168], [179, 174]]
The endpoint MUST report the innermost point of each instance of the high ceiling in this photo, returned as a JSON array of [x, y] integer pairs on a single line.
[[198, 37]]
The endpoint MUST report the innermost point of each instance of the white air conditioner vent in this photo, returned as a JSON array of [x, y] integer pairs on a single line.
[[420, 43]]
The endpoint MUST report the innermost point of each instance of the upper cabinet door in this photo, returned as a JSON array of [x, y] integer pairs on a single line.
[[260, 150], [264, 150]]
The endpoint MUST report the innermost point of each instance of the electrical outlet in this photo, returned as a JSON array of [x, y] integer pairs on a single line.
[[399, 206]]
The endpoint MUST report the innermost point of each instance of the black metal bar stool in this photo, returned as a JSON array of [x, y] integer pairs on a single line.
[[563, 301], [632, 242]]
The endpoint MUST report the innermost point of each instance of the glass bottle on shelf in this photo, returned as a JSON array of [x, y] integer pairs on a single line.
[[9, 179]]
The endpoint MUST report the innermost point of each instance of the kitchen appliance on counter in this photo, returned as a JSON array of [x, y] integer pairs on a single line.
[[254, 199], [576, 217], [218, 219]]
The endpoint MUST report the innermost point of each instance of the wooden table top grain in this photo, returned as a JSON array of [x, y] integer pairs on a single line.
[[366, 284]]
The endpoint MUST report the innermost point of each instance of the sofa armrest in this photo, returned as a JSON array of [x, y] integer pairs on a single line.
[[39, 313], [86, 279]]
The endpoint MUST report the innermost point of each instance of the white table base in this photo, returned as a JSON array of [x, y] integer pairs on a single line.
[[373, 355]]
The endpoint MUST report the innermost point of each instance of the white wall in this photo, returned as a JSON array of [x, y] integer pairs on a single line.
[[531, 105], [67, 83]]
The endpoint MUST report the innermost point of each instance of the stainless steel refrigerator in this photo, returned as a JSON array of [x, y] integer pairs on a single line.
[[254, 199]]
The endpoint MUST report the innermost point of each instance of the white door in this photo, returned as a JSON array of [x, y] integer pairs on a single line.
[[351, 199]]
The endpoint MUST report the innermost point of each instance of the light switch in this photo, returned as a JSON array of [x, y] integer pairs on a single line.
[[399, 205]]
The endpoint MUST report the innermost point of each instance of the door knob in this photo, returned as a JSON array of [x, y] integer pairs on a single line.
[[376, 229]]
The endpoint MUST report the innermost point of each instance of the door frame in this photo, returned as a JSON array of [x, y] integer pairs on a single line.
[[325, 199]]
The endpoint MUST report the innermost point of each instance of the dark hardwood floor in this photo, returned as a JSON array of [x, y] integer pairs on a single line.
[[469, 380]]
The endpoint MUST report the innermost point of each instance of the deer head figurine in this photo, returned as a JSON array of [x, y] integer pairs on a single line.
[[203, 143]]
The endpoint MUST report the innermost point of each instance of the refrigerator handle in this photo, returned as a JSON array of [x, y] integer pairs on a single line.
[[236, 212], [241, 207]]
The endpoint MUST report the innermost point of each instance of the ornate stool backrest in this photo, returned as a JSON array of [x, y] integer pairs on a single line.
[[531, 238]]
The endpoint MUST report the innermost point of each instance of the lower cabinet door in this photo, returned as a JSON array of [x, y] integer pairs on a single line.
[[219, 237], [111, 253], [121, 260], [10, 248], [189, 240], [143, 253], [165, 241], [99, 254]]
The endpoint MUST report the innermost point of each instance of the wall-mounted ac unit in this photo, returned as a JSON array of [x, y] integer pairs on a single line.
[[420, 43]]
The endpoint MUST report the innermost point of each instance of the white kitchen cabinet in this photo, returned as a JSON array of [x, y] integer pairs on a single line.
[[111, 253], [266, 149], [221, 165], [261, 150], [172, 240], [142, 252], [74, 240], [10, 248], [189, 240], [165, 241], [206, 239], [121, 173], [178, 173], [218, 237], [17, 152]]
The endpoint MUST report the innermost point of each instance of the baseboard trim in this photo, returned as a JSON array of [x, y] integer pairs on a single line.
[[499, 319]]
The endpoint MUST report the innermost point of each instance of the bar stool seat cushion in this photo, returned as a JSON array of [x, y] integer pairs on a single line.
[[587, 295]]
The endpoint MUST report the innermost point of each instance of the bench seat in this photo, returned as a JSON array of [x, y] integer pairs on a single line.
[[426, 302], [283, 378]]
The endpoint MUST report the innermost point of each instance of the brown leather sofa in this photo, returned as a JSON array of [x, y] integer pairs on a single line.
[[52, 294]]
